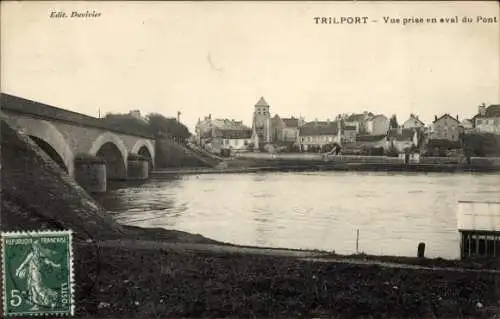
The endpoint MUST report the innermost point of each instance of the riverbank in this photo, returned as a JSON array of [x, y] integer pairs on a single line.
[[245, 285], [149, 280], [279, 166]]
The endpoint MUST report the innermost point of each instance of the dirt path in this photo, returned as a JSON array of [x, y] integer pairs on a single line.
[[208, 248], [303, 255]]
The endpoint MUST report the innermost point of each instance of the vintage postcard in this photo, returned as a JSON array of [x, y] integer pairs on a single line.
[[261, 159]]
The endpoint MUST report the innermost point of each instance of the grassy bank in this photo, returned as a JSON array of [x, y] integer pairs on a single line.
[[166, 284]]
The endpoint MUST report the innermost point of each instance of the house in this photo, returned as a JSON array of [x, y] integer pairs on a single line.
[[446, 127], [357, 120], [233, 139], [413, 122], [349, 133], [468, 125], [364, 143], [217, 134], [377, 125], [402, 139], [317, 134], [371, 141], [488, 119], [285, 130]]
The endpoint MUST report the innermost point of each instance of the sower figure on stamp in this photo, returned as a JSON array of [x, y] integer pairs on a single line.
[[31, 269]]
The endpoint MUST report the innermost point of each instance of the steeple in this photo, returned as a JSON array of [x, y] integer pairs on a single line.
[[262, 102]]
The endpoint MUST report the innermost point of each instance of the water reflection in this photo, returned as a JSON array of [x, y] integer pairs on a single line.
[[323, 210]]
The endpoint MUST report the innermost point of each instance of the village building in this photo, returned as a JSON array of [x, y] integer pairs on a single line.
[[285, 130], [318, 134], [402, 139], [367, 141], [488, 119], [357, 120], [349, 133], [468, 125], [413, 122], [377, 125], [447, 128], [217, 134]]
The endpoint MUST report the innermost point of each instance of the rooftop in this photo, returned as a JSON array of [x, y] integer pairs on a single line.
[[413, 116], [319, 128], [262, 102], [359, 117], [401, 135], [491, 111], [446, 115], [228, 133], [291, 122]]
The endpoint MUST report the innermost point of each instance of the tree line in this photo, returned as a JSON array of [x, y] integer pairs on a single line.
[[154, 124]]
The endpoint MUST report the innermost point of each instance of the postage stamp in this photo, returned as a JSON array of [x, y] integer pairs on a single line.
[[37, 273]]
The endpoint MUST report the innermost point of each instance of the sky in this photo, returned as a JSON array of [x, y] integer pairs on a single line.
[[219, 58]]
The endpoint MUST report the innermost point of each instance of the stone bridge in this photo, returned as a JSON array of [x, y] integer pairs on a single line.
[[63, 135]]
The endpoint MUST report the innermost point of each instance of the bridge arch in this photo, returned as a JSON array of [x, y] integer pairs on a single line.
[[145, 148], [112, 149], [52, 142]]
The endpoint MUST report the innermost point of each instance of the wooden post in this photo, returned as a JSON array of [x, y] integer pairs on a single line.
[[477, 245], [469, 239], [357, 240], [495, 245], [421, 250]]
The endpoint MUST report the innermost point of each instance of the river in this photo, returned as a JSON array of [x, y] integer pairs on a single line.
[[313, 210]]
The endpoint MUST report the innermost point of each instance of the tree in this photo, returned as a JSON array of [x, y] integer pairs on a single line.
[[161, 125], [127, 123], [393, 122]]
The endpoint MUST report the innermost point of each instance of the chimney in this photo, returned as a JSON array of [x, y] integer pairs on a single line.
[[435, 118], [209, 116], [482, 109], [457, 117]]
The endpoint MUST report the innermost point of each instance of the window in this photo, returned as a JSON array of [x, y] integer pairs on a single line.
[[479, 121]]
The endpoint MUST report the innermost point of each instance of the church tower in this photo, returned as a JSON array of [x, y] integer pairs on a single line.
[[262, 120]]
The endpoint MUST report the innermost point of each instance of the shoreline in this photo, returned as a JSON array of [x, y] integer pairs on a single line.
[[201, 244], [322, 166]]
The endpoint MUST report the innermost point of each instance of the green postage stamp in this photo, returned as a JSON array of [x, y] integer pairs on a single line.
[[37, 273]]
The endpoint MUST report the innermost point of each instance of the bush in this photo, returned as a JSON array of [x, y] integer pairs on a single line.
[[481, 144]]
